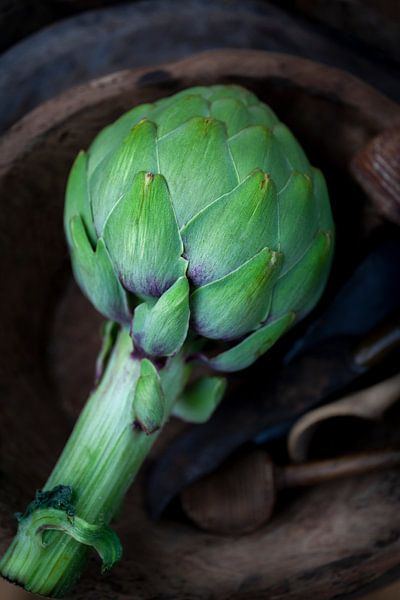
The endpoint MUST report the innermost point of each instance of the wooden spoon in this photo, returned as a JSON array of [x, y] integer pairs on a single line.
[[240, 497], [370, 404]]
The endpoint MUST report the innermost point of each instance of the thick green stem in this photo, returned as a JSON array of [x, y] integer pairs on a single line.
[[98, 464]]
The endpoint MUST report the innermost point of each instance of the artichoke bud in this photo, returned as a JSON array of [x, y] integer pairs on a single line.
[[148, 404], [238, 302], [203, 211], [94, 272], [160, 327], [111, 181], [142, 236]]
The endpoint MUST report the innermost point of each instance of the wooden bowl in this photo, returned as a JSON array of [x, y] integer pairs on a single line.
[[330, 541]]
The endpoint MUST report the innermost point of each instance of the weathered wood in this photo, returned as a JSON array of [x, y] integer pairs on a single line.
[[376, 22], [19, 18], [329, 541], [240, 497], [134, 34]]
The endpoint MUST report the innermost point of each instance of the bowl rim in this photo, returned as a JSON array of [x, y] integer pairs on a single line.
[[325, 81]]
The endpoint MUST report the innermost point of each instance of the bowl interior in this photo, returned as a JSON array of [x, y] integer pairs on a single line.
[[50, 336]]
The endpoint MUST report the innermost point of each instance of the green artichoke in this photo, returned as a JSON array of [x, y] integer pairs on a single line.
[[194, 218], [202, 211]]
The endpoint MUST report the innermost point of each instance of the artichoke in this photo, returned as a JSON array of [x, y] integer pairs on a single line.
[[198, 228], [202, 211]]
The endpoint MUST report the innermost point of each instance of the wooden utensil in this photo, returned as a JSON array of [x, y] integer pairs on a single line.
[[370, 404], [241, 496]]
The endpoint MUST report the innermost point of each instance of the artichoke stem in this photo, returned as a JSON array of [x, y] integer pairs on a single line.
[[94, 472]]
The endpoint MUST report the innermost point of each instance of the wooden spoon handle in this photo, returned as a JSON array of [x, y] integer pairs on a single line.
[[316, 472]]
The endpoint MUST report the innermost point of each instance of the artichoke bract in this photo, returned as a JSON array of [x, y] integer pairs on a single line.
[[202, 211], [198, 228]]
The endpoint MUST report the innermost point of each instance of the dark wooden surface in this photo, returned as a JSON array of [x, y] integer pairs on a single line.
[[19, 18], [327, 542], [134, 34], [377, 22]]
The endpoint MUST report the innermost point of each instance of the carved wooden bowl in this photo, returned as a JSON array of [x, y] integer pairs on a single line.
[[328, 542]]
